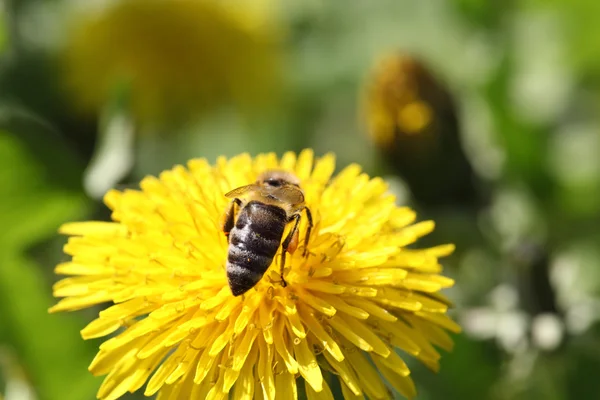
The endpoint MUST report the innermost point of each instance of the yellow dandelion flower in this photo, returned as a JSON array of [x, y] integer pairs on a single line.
[[173, 57], [354, 298]]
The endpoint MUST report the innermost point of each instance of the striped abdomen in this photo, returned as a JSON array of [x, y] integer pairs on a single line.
[[253, 242]]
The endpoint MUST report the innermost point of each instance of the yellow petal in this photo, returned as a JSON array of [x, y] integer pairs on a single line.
[[93, 228], [184, 366], [359, 335], [266, 321], [307, 365], [324, 394], [367, 376], [204, 367], [324, 286], [296, 325], [340, 304], [318, 303], [372, 309], [159, 377], [403, 384], [71, 268], [324, 168], [265, 370], [244, 386], [288, 161], [346, 374], [441, 320], [100, 327], [285, 386], [304, 164], [281, 342], [321, 334], [243, 349], [349, 395]]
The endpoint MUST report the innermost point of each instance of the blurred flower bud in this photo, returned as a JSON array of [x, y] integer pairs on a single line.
[[172, 57], [412, 119]]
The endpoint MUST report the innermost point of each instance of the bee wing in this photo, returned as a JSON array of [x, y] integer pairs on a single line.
[[288, 193], [242, 190]]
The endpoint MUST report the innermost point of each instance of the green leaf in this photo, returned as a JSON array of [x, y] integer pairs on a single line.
[[48, 346], [38, 193]]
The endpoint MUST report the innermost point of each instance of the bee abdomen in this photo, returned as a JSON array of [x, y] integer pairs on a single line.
[[241, 279], [266, 221], [248, 259], [247, 239], [253, 243], [245, 268]]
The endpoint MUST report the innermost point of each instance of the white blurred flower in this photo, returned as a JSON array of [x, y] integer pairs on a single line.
[[501, 320]]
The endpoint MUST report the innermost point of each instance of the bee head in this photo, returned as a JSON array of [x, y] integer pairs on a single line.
[[278, 178]]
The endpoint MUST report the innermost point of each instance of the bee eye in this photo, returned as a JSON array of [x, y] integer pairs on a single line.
[[273, 182]]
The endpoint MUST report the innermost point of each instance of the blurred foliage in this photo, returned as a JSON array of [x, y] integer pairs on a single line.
[[40, 182], [2, 32], [515, 183]]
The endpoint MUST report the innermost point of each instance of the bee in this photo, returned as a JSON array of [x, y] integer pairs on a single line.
[[254, 223]]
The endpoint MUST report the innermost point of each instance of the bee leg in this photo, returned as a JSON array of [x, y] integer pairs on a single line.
[[290, 243], [229, 217], [308, 229]]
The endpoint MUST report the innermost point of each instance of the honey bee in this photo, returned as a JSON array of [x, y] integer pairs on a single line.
[[254, 232]]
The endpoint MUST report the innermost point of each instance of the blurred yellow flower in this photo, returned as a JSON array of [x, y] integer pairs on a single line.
[[357, 297], [401, 100], [173, 57]]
